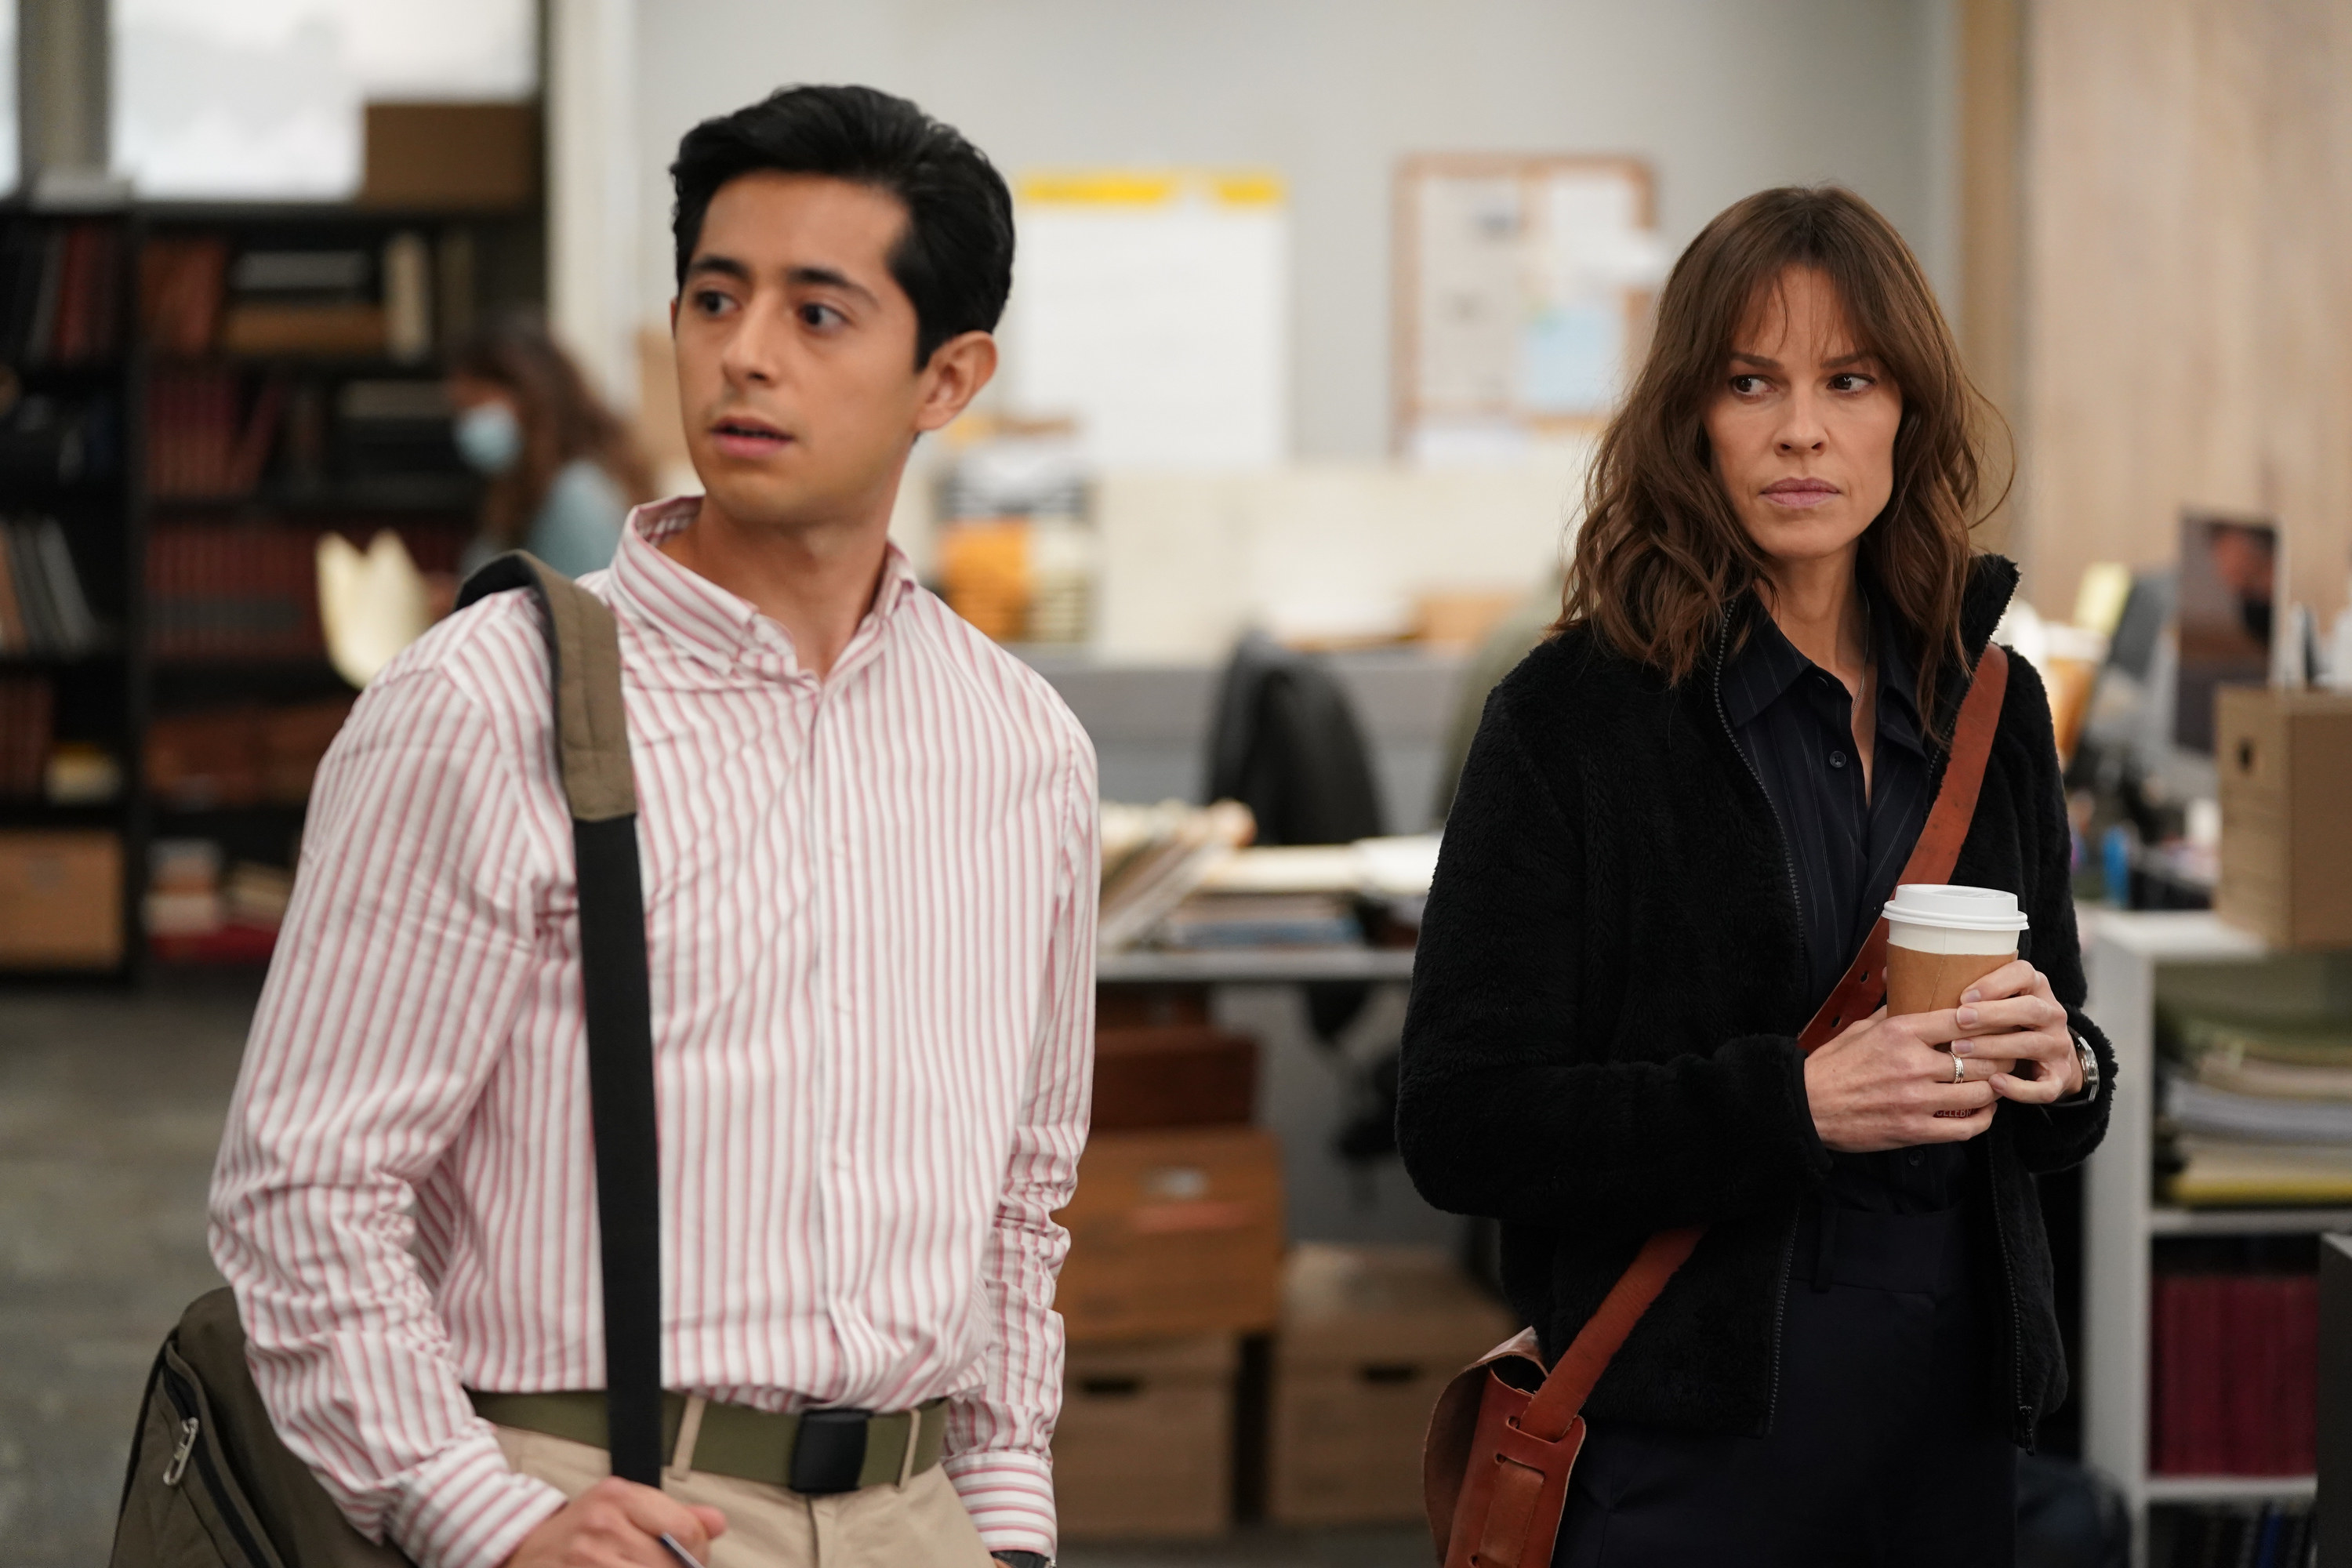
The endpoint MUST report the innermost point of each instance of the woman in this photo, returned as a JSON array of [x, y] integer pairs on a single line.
[[1679, 819], [563, 471]]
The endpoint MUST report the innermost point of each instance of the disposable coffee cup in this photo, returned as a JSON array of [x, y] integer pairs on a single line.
[[1942, 939]]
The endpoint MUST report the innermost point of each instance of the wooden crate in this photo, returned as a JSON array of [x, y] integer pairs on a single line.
[[1145, 1447], [1370, 1336], [60, 900], [1174, 1233], [2286, 765]]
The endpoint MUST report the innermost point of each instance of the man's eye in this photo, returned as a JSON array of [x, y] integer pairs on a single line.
[[815, 315], [711, 301]]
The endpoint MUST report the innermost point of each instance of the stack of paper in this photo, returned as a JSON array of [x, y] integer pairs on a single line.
[[2263, 1107]]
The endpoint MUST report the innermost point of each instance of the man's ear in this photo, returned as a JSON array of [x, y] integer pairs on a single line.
[[958, 368], [673, 315]]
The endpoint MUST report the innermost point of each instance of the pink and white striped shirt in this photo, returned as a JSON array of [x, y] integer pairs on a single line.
[[870, 907]]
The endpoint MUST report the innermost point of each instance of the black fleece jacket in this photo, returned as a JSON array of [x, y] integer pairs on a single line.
[[1602, 1040]]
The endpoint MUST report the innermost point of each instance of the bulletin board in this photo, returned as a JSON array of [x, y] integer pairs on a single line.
[[1151, 309], [1522, 292]]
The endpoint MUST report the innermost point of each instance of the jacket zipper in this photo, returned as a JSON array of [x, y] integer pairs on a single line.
[[2024, 1437], [1796, 904], [189, 1430]]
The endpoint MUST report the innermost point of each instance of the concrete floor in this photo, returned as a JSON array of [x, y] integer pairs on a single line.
[[110, 1108]]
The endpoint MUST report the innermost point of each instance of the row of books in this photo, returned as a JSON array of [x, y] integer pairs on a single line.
[[2235, 1365], [60, 293], [242, 755], [2267, 1535], [2260, 1107], [26, 705], [43, 610], [232, 591], [202, 437], [195, 296]]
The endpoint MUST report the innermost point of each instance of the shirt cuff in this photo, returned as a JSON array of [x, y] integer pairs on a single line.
[[1009, 1496], [467, 1507]]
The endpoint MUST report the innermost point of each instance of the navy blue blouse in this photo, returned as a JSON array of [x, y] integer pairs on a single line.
[[1846, 843]]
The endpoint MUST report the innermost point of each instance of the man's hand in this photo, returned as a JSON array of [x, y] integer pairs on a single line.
[[2014, 1003], [1883, 1084], [618, 1524]]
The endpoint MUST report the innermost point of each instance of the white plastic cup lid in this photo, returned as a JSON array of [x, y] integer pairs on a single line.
[[1956, 908]]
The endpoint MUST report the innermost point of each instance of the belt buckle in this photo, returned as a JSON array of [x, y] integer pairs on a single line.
[[828, 1452]]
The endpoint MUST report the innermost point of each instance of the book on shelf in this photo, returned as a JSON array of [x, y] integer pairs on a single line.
[[181, 282], [205, 439], [56, 440], [60, 293], [43, 610], [233, 590], [246, 754], [307, 301], [2234, 1359], [2258, 1109], [2239, 1535], [26, 710], [2221, 1173]]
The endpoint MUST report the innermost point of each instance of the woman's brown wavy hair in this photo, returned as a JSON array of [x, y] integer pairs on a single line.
[[1662, 558], [561, 420]]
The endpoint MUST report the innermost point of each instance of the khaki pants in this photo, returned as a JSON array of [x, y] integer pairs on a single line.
[[919, 1525]]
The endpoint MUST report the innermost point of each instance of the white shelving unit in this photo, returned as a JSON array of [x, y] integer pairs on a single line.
[[2121, 1220]]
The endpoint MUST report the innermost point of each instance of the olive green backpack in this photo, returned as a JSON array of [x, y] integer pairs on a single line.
[[210, 1485]]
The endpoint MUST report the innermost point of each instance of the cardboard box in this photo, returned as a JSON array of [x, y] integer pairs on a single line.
[[1370, 1336], [1145, 1447], [2285, 765], [60, 900], [1174, 1233], [480, 157], [1181, 1075]]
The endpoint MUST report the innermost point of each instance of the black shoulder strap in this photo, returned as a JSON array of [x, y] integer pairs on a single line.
[[592, 738]]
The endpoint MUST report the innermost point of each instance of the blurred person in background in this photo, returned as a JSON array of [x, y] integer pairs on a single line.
[[1680, 818], [563, 471]]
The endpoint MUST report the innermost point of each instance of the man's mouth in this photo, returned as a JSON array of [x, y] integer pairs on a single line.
[[741, 436]]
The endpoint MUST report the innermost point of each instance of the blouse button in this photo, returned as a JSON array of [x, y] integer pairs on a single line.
[[1837, 759]]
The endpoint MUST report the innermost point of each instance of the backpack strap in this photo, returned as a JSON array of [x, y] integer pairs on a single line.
[[592, 746]]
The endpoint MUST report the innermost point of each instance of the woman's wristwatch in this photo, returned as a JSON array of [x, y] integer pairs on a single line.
[[2088, 1059]]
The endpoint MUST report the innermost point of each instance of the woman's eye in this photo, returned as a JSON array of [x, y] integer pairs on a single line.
[[1851, 381], [1747, 385]]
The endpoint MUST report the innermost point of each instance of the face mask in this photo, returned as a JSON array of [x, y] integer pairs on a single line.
[[490, 438]]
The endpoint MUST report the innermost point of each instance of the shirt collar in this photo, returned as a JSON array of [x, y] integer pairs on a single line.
[[1768, 664], [704, 619]]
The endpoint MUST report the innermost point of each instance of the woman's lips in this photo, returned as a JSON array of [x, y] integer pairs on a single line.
[[1800, 493]]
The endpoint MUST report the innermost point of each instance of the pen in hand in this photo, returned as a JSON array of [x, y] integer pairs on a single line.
[[685, 1558]]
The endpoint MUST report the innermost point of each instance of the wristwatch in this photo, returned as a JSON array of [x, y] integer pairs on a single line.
[[1024, 1559], [2089, 1061]]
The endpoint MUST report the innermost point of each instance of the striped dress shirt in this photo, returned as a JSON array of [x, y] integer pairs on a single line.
[[870, 911]]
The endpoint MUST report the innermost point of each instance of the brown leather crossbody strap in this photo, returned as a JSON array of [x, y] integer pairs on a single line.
[[1857, 995], [1566, 1387]]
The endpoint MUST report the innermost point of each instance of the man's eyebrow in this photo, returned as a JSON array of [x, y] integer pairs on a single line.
[[826, 278], [726, 266]]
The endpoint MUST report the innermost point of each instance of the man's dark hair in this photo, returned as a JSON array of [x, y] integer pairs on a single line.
[[955, 257]]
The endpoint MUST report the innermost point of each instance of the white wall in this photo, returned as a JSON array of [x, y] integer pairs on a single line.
[[1724, 97]]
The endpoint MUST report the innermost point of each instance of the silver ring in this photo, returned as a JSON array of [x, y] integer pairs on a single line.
[[1959, 1068]]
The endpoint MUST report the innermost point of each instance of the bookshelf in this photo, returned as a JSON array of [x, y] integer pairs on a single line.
[[2125, 1226], [70, 602], [270, 373]]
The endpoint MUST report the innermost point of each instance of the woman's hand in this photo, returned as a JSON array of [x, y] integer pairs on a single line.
[[1883, 1084], [2014, 1003]]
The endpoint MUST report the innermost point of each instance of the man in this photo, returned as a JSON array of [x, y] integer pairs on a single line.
[[868, 842]]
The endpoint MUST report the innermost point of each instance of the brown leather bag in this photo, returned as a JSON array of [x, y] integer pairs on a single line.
[[1495, 1463]]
